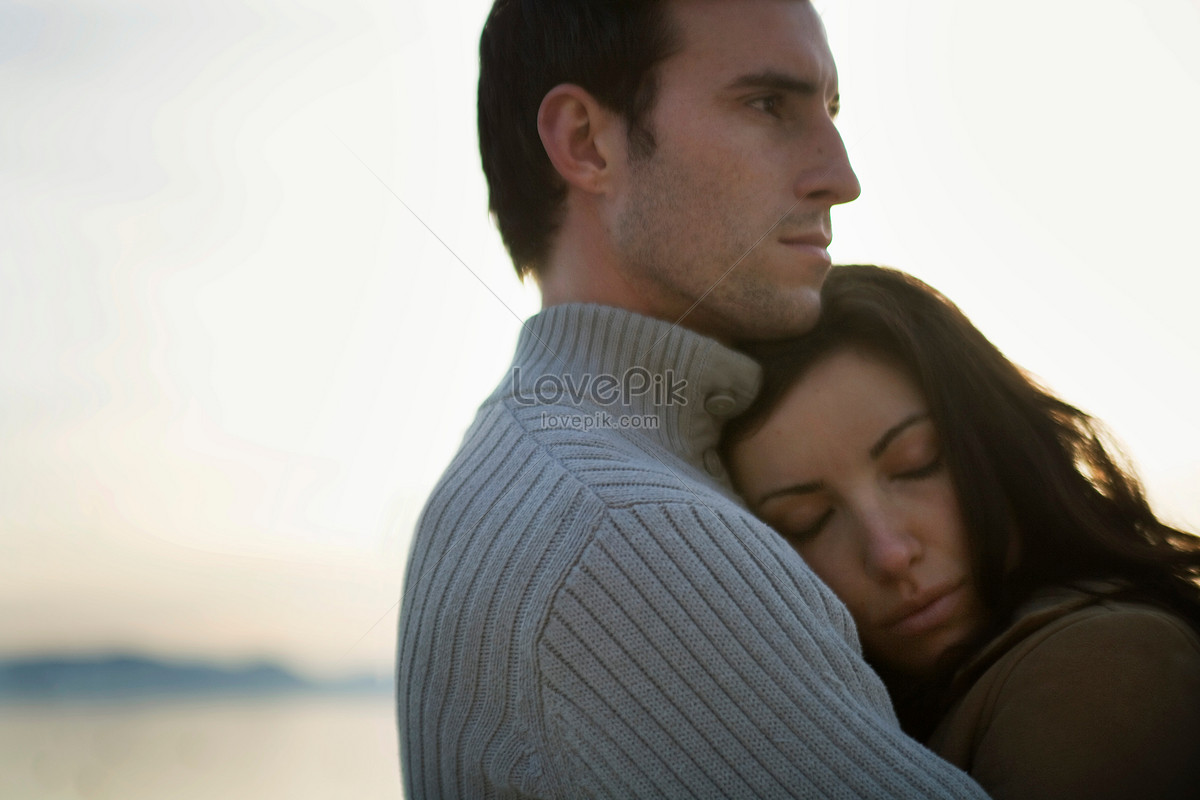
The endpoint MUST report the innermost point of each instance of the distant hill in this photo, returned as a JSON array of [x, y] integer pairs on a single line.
[[124, 676]]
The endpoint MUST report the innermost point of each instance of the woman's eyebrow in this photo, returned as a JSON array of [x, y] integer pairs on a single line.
[[799, 488], [876, 451], [894, 431]]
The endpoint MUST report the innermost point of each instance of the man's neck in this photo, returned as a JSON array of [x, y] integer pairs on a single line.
[[586, 278], [584, 267], [569, 283]]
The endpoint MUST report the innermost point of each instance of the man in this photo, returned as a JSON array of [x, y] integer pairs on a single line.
[[588, 610]]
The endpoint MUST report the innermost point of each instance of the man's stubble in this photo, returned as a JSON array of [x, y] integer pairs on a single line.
[[681, 236]]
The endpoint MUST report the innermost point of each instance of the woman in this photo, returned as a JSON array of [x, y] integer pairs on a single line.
[[1035, 622]]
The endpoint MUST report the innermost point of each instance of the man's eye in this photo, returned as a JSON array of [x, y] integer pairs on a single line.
[[835, 108], [771, 104]]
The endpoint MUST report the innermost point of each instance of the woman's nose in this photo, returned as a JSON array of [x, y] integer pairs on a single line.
[[890, 545]]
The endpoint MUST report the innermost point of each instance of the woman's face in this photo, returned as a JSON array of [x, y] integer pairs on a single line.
[[849, 470]]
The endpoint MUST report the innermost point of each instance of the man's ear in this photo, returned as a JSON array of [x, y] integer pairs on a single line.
[[578, 134]]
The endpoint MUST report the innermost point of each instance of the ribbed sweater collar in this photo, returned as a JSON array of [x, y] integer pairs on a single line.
[[691, 383]]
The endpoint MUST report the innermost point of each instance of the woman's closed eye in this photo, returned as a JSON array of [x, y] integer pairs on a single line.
[[803, 521], [925, 471], [914, 453]]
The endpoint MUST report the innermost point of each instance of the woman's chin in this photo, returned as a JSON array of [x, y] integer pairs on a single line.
[[925, 660]]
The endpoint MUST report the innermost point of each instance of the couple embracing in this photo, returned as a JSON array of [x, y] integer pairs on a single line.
[[855, 552]]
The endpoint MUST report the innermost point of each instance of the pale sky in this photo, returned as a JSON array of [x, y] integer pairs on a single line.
[[233, 363]]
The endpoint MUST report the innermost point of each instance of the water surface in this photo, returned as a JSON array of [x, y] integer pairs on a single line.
[[295, 747]]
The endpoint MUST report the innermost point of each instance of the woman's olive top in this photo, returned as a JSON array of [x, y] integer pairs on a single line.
[[1083, 697]]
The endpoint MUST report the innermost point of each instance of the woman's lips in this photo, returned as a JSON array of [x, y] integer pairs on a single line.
[[928, 612]]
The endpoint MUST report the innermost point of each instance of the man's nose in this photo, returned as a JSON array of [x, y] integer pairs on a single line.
[[829, 178]]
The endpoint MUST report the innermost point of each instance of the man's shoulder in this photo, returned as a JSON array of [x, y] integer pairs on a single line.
[[601, 452]]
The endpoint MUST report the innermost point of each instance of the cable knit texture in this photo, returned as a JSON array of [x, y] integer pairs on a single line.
[[589, 611]]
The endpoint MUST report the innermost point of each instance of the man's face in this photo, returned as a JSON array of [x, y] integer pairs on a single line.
[[733, 206]]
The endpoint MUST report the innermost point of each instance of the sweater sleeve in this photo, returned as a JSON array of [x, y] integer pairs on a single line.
[[1106, 707], [690, 655]]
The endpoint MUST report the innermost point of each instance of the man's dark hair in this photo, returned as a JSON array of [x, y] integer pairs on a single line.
[[609, 48]]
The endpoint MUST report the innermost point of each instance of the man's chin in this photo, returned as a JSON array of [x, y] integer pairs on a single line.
[[782, 321]]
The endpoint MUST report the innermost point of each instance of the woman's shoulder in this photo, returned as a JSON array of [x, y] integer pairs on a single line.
[[1082, 621], [1103, 641], [1096, 626], [1082, 685], [1128, 617], [1079, 632]]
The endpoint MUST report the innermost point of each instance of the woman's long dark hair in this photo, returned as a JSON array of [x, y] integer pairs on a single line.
[[1023, 462]]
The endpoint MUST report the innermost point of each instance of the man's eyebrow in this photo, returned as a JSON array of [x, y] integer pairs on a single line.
[[771, 79], [894, 431]]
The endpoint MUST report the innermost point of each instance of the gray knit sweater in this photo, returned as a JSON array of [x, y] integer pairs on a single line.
[[590, 612]]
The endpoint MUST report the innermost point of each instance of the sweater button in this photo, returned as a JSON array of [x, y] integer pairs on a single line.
[[720, 404], [712, 463]]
